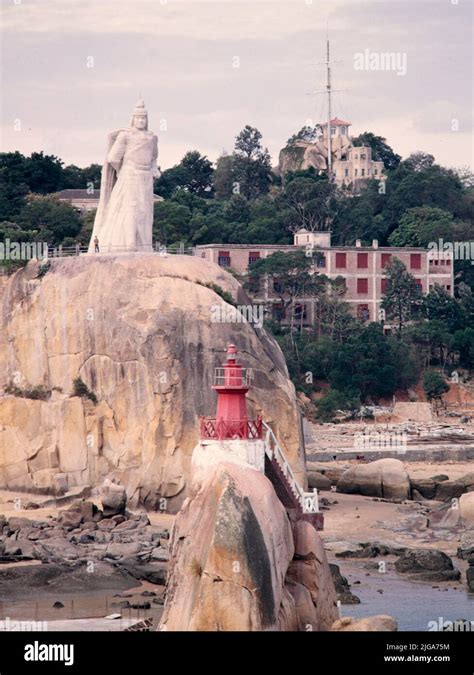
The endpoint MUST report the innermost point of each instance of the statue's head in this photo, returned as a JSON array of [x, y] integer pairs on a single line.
[[140, 116]]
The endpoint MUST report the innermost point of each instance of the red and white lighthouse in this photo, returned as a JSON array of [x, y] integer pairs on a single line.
[[231, 382]]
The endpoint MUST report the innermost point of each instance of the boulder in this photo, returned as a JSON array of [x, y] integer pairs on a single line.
[[146, 346], [114, 498], [427, 565], [117, 551], [70, 519], [453, 489], [317, 480], [161, 554], [230, 554], [57, 549], [16, 523], [466, 508], [382, 478], [426, 487], [470, 579], [466, 545], [379, 623], [343, 589]]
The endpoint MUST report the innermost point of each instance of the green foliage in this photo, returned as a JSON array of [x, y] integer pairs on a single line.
[[225, 295], [38, 393], [421, 225], [252, 170], [81, 389], [434, 385], [193, 174], [402, 295], [335, 401], [381, 151], [48, 219]]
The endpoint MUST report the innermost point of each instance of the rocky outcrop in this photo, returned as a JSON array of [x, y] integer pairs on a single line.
[[238, 564], [137, 330], [382, 478], [381, 622], [427, 565]]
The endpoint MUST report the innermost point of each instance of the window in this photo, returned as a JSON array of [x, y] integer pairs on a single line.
[[415, 261], [363, 312], [343, 131], [384, 285], [333, 131], [203, 254], [363, 156], [355, 172], [278, 287], [362, 172], [346, 172], [362, 260], [419, 283], [375, 172], [223, 259], [253, 256], [448, 287], [448, 261], [321, 261], [386, 257], [278, 312], [340, 260], [300, 312], [368, 172], [362, 286]]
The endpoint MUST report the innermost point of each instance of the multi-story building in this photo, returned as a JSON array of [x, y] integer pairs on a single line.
[[352, 165], [361, 267]]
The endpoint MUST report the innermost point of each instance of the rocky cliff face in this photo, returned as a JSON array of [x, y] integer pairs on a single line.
[[137, 330], [237, 563]]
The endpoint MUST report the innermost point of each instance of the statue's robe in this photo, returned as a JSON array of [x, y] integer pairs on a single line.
[[124, 219]]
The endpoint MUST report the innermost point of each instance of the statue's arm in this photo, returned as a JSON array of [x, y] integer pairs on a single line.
[[117, 151], [156, 173]]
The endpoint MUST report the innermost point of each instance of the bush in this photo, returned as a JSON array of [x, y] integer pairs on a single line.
[[434, 385], [81, 389], [38, 393]]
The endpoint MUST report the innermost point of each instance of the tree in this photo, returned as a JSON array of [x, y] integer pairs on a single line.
[[290, 275], [419, 161], [440, 306], [381, 151], [251, 164], [311, 202], [223, 177], [307, 134], [434, 385], [402, 294], [47, 219], [43, 173], [193, 174], [421, 225]]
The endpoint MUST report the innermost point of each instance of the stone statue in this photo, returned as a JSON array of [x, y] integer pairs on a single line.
[[124, 219]]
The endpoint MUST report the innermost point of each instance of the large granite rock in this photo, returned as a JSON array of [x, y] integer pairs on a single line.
[[137, 330], [383, 478], [236, 564], [427, 565], [379, 623]]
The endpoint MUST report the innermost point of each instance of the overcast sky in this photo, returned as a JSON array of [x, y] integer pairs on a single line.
[[73, 70]]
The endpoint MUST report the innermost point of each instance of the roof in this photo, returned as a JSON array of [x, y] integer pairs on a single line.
[[78, 194], [85, 194], [336, 122]]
